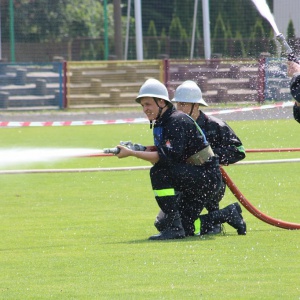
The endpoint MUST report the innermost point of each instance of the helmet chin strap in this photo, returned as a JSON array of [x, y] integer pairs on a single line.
[[159, 111], [192, 108]]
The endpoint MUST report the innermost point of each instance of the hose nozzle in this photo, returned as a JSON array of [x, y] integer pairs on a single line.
[[281, 39], [287, 49], [129, 145], [112, 150]]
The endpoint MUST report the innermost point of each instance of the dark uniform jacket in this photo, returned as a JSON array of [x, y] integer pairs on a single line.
[[177, 137], [296, 111], [222, 139], [295, 92]]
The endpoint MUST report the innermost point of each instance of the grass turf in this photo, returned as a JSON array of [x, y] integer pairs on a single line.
[[84, 235]]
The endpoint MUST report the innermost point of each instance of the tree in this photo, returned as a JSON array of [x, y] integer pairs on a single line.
[[175, 36], [238, 46], [49, 20], [184, 48], [159, 11], [290, 34], [272, 43], [219, 36], [257, 43], [38, 21], [84, 18], [152, 43], [163, 42]]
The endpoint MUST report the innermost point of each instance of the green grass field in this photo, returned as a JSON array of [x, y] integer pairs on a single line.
[[85, 235]]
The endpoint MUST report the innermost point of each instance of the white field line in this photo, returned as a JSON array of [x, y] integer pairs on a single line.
[[31, 171]]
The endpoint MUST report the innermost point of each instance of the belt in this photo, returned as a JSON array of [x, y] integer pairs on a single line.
[[201, 157]]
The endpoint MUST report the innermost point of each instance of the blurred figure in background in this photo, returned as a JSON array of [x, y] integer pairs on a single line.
[[294, 72]]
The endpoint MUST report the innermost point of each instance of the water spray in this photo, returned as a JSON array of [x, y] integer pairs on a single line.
[[264, 10], [24, 156]]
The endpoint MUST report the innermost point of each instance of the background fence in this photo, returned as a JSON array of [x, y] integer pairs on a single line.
[[116, 83], [31, 85], [92, 84]]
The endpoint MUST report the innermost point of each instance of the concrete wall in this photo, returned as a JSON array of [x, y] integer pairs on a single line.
[[284, 11]]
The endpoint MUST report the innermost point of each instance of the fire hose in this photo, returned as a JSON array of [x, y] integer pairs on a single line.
[[252, 209], [231, 185]]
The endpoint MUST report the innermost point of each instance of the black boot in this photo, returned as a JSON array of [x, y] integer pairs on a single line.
[[209, 227], [236, 219], [173, 231], [232, 214], [213, 205], [216, 229]]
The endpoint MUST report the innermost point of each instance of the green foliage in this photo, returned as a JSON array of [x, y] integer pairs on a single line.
[[257, 43], [290, 33], [163, 41], [152, 43], [219, 36], [152, 29], [175, 33], [45, 20], [160, 12], [175, 28], [41, 20], [258, 30], [184, 48], [91, 49], [238, 46], [179, 41], [272, 43], [84, 18], [54, 21]]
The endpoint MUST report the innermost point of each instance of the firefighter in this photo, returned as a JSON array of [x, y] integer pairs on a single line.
[[222, 139], [182, 157], [294, 72]]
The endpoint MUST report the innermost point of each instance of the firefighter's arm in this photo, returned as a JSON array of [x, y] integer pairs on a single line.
[[230, 154], [293, 68], [294, 72], [151, 156]]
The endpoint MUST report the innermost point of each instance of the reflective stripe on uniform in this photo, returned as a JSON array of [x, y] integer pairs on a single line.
[[197, 226], [241, 149], [164, 192]]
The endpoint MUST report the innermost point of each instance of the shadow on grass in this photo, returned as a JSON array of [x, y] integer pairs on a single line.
[[189, 239]]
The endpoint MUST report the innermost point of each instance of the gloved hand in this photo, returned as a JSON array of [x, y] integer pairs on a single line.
[[129, 145], [135, 147]]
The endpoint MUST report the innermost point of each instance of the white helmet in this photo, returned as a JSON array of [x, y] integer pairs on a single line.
[[154, 89], [189, 92]]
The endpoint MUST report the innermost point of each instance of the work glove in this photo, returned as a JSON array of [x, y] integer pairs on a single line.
[[135, 147], [129, 145]]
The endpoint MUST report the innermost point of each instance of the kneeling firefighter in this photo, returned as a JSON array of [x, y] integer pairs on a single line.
[[229, 149], [185, 174]]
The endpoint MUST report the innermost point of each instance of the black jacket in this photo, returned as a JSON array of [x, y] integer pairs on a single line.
[[295, 92], [296, 111], [295, 87], [177, 137], [222, 139]]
